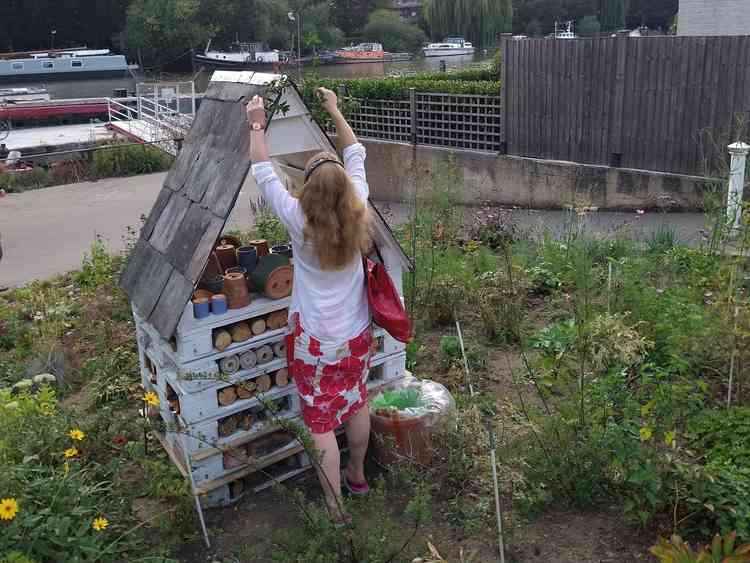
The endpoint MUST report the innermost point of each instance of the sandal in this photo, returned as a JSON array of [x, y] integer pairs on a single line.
[[355, 489]]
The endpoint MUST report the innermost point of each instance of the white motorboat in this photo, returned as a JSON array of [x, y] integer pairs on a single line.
[[450, 47], [243, 56]]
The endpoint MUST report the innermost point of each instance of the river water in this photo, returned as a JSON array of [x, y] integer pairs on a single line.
[[68, 89]]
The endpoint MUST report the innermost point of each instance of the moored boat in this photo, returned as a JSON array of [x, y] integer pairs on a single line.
[[242, 56], [362, 53], [16, 95], [452, 46], [62, 64]]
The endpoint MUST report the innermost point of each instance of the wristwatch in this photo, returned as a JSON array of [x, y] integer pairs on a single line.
[[256, 126]]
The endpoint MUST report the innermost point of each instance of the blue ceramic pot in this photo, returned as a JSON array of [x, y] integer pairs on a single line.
[[247, 256], [201, 308], [219, 304]]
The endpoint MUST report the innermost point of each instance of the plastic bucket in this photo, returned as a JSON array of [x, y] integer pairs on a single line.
[[396, 438]]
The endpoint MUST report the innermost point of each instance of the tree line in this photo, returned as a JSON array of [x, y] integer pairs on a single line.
[[161, 31]]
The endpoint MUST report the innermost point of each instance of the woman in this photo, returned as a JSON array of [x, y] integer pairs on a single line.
[[330, 340]]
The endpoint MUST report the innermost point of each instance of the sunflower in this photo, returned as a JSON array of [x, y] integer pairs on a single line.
[[71, 452], [151, 398], [8, 508], [77, 434], [100, 523]]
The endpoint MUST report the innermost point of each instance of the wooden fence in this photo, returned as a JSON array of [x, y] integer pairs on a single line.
[[441, 120], [658, 103]]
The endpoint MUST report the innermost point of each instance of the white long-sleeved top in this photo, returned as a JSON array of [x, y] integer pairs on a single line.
[[332, 305]]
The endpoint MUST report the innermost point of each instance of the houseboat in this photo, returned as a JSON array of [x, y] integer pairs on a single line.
[[242, 56], [451, 46], [362, 53], [62, 65]]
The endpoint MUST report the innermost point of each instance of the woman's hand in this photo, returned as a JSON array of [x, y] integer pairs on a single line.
[[256, 111], [329, 100]]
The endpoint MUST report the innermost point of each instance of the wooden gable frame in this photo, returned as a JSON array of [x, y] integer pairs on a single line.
[[202, 187]]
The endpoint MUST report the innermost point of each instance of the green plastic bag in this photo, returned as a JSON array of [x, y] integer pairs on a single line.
[[400, 400]]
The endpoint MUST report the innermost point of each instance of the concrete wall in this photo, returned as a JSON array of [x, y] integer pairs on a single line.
[[714, 17], [396, 170]]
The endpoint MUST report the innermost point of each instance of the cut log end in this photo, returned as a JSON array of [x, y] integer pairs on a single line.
[[222, 340]]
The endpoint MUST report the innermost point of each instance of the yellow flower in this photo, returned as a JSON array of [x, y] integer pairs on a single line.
[[151, 398], [71, 452], [100, 523], [8, 508], [646, 434], [77, 434]]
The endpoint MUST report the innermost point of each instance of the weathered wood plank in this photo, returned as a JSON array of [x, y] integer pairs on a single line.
[[167, 225], [196, 235], [149, 273], [233, 92], [617, 133], [168, 310], [156, 211]]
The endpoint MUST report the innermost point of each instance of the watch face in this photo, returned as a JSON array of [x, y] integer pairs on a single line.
[[257, 126]]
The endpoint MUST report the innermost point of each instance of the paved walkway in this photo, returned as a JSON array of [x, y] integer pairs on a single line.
[[56, 136], [46, 232]]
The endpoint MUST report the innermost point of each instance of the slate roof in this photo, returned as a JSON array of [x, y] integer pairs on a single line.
[[200, 192]]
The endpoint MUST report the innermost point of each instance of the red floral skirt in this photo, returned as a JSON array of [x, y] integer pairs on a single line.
[[331, 379]]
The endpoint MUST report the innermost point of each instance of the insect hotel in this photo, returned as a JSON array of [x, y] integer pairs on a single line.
[[211, 313]]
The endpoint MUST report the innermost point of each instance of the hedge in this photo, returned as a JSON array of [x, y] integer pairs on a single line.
[[398, 88]]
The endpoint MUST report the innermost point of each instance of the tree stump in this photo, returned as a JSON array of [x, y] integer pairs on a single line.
[[279, 349], [264, 354], [234, 458], [227, 396], [258, 326], [229, 365], [263, 382], [273, 276], [246, 390], [245, 420], [282, 377], [241, 332], [227, 426], [222, 339], [248, 360], [277, 319]]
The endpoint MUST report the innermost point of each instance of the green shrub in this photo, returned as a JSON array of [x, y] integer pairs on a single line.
[[398, 88], [129, 160], [37, 177]]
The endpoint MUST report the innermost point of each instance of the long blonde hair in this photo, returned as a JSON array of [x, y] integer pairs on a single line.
[[337, 221]]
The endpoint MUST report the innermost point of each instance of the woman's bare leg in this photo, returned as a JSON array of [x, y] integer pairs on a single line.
[[329, 470], [358, 438]]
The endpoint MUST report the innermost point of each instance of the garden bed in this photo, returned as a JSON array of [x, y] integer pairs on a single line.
[[604, 366]]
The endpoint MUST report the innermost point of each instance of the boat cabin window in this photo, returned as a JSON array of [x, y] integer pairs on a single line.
[[17, 66], [76, 64], [48, 64]]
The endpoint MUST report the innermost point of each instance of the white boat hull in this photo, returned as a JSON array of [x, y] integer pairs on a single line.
[[448, 52]]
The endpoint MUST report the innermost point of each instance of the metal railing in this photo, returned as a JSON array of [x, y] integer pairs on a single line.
[[151, 121], [463, 121]]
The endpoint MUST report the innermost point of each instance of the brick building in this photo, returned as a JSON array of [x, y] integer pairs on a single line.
[[714, 17]]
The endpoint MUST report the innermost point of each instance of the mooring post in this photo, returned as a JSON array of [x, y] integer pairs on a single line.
[[738, 151]]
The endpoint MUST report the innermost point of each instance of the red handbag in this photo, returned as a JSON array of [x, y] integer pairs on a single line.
[[386, 306]]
